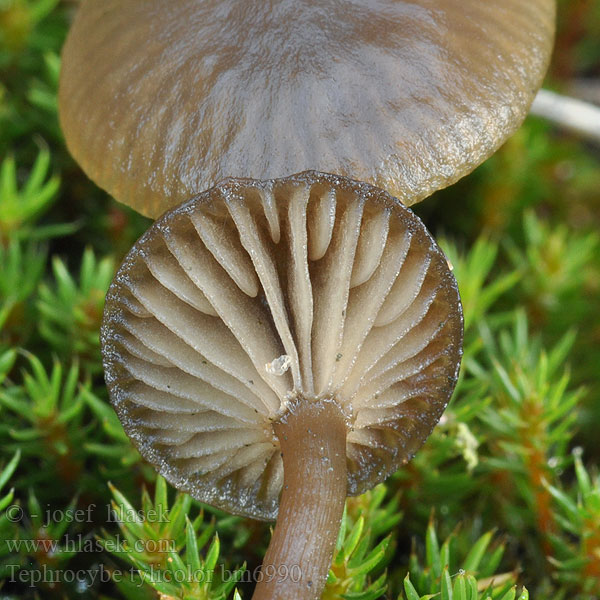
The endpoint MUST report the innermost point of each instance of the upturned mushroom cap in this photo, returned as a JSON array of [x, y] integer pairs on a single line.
[[160, 99], [256, 296]]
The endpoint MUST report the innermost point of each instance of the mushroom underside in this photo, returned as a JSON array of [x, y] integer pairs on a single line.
[[255, 296]]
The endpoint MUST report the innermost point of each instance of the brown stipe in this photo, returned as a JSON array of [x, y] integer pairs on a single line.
[[312, 439]]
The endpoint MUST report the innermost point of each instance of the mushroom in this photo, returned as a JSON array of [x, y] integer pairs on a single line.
[[160, 99], [272, 345], [277, 345]]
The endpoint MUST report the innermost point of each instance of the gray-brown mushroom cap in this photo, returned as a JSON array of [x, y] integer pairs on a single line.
[[254, 297], [160, 99]]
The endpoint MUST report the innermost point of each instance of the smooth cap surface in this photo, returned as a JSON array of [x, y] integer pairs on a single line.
[[254, 297], [160, 99]]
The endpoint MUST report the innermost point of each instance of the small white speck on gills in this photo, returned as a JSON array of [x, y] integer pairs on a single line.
[[278, 366]]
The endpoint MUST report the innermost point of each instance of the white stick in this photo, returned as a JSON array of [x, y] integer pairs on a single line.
[[572, 114]]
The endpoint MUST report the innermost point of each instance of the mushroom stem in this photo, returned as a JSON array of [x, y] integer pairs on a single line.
[[312, 436]]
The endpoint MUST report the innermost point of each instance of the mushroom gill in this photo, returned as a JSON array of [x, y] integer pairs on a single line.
[[301, 334]]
